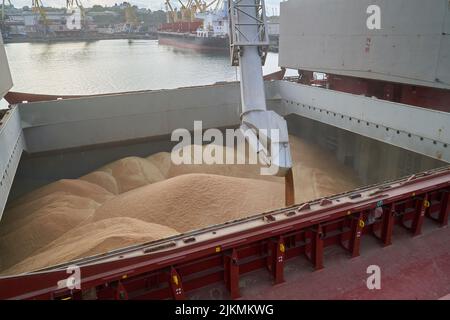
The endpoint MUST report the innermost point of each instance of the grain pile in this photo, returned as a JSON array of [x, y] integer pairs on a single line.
[[136, 200]]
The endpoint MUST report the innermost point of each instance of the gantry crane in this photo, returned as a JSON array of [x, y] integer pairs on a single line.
[[38, 7], [266, 131]]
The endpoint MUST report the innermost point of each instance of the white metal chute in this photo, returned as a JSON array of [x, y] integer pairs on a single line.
[[249, 43]]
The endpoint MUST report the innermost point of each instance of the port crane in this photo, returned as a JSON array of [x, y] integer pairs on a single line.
[[265, 131], [77, 3], [38, 7]]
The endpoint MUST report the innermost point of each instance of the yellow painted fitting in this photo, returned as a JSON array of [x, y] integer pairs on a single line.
[[361, 223], [175, 280]]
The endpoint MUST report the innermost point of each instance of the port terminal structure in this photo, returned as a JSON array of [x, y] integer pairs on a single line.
[[40, 133]]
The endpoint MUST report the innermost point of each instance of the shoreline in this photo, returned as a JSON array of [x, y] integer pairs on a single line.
[[83, 38], [273, 47]]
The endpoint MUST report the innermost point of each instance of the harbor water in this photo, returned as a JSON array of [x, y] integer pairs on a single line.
[[107, 66]]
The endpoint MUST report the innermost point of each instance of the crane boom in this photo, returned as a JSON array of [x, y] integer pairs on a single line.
[[37, 6], [171, 13], [249, 43]]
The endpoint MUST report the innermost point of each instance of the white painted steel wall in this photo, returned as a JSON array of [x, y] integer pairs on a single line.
[[416, 129], [11, 146], [5, 74], [65, 124], [413, 45]]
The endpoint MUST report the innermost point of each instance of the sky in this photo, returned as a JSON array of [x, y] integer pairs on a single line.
[[272, 6]]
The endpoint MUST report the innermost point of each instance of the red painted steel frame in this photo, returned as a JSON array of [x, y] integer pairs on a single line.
[[169, 268]]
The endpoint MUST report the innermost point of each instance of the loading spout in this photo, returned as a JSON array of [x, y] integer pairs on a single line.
[[249, 42]]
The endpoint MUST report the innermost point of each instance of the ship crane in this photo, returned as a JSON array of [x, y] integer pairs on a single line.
[[191, 7], [203, 6], [188, 10], [172, 15], [185, 12], [249, 42]]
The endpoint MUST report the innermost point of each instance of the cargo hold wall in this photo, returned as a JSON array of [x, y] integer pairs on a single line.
[[101, 130], [11, 137], [5, 74], [331, 36]]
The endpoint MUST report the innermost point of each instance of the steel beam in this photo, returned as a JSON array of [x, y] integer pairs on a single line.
[[419, 216], [12, 145], [420, 130], [387, 225], [5, 74], [355, 240], [444, 209]]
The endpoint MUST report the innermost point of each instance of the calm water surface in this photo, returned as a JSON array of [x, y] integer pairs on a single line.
[[115, 65]]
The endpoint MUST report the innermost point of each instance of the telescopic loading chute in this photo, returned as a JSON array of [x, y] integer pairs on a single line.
[[249, 42]]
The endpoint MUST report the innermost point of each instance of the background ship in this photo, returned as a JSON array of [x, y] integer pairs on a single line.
[[196, 26], [42, 23]]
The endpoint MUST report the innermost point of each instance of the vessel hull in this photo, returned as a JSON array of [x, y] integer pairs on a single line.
[[189, 41]]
